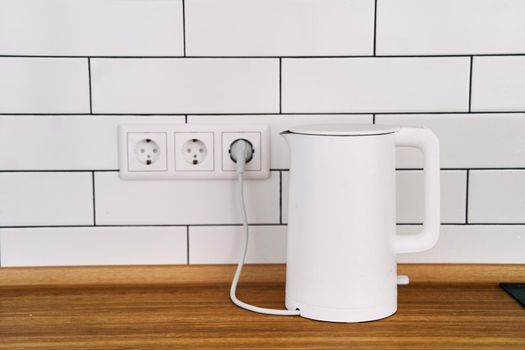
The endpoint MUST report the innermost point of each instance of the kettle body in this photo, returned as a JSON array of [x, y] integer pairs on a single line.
[[342, 241]]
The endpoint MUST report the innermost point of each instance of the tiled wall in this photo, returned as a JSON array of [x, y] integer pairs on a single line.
[[71, 71]]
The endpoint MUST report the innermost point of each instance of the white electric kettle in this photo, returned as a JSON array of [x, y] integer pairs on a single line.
[[342, 241]]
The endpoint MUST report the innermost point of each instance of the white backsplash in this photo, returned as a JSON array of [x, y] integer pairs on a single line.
[[71, 72]]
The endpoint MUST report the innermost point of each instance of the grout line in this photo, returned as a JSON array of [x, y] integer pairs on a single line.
[[108, 114], [269, 57], [466, 197], [502, 168], [486, 224], [178, 114], [187, 244], [464, 224], [45, 114], [137, 225], [257, 224], [442, 169], [280, 85], [90, 87], [186, 119], [97, 226], [59, 171], [457, 169], [272, 169], [280, 197], [470, 85], [469, 224], [421, 224], [94, 200], [183, 28], [373, 118], [375, 26]]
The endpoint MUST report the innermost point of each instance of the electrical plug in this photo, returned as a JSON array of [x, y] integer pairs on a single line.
[[241, 152]]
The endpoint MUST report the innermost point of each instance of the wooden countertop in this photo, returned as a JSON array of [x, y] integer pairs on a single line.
[[187, 307]]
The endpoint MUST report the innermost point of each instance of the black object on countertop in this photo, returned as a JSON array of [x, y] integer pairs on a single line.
[[516, 290]]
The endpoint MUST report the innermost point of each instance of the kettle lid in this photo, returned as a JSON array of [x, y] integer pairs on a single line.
[[343, 129]]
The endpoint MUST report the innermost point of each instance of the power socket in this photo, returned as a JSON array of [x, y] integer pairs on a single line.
[[194, 151], [190, 151], [254, 138], [147, 151]]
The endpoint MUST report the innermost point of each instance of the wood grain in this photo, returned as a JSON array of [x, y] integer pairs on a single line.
[[192, 313], [191, 274]]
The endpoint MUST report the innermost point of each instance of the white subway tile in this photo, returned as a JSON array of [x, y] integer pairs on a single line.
[[223, 244], [467, 140], [427, 27], [65, 142], [91, 27], [280, 158], [498, 83], [457, 244], [318, 85], [44, 85], [162, 85], [93, 246], [279, 27], [496, 196], [471, 244], [183, 202], [409, 196], [32, 199]]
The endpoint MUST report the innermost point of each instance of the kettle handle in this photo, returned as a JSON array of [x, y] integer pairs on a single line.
[[428, 143]]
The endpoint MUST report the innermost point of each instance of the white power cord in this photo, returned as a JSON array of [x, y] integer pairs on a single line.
[[241, 151]]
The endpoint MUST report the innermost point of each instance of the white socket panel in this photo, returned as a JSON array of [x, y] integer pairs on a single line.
[[187, 151]]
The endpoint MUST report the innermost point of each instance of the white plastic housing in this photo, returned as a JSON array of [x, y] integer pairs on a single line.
[[172, 164], [342, 241]]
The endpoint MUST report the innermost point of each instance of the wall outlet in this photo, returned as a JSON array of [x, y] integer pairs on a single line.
[[190, 151], [146, 151], [194, 151], [253, 137]]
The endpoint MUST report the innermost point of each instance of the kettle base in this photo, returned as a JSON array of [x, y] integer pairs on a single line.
[[342, 315]]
